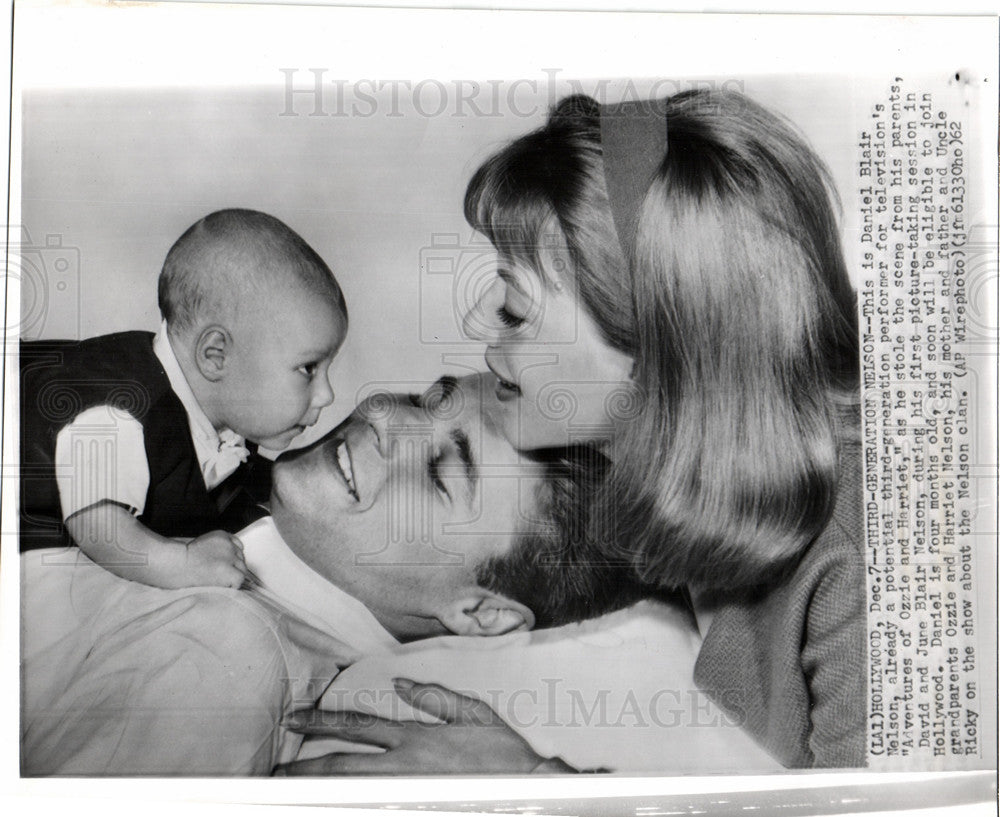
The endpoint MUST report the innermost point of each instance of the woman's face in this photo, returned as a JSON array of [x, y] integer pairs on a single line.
[[560, 381]]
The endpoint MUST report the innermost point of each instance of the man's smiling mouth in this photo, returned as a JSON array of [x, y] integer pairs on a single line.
[[342, 460]]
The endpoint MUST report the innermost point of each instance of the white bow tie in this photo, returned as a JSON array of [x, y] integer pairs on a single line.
[[220, 464]]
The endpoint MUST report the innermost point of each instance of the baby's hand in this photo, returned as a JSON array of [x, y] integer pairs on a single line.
[[214, 559]]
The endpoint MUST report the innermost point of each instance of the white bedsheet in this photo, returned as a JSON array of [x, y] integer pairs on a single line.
[[124, 679]]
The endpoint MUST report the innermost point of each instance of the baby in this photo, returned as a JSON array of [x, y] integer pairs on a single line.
[[150, 452]]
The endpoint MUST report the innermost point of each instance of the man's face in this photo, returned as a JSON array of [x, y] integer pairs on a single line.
[[401, 502]]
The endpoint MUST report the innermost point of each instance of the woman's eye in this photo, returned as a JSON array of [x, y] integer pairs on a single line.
[[309, 369], [507, 319]]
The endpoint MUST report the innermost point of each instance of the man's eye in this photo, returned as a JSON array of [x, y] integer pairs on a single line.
[[507, 319], [433, 472]]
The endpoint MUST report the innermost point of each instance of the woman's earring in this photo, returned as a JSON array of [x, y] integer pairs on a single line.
[[558, 286]]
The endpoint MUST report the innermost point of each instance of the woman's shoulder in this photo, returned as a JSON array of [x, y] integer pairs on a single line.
[[843, 538], [825, 592], [837, 555]]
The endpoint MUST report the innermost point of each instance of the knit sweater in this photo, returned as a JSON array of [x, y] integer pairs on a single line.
[[790, 664]]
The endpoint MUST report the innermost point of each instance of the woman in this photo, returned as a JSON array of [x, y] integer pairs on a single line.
[[672, 289]]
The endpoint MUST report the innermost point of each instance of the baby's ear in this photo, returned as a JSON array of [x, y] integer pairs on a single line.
[[211, 351], [486, 614]]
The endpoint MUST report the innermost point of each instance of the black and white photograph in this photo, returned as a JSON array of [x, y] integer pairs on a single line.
[[424, 396]]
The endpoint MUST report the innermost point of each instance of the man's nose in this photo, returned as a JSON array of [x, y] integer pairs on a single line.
[[481, 322], [373, 444], [385, 412]]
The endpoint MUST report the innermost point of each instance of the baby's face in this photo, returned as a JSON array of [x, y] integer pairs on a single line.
[[276, 381]]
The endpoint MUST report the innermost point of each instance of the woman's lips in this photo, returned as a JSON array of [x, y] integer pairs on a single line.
[[506, 389]]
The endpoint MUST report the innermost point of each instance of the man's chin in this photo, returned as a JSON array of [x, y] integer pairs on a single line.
[[292, 486], [297, 473]]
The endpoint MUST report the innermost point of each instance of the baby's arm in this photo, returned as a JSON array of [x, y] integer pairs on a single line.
[[121, 544]]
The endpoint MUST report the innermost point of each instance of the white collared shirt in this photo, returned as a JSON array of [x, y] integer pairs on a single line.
[[101, 455], [295, 586]]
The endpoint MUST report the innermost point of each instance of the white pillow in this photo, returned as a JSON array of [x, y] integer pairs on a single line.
[[615, 692]]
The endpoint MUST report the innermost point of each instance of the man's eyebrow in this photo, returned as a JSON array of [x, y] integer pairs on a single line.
[[447, 384], [461, 440]]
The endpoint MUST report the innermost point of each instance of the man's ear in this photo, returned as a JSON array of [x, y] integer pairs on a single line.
[[211, 352], [485, 613]]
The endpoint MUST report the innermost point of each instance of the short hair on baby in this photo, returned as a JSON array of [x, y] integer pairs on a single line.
[[231, 253]]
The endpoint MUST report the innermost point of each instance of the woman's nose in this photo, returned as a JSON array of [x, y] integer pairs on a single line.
[[481, 322]]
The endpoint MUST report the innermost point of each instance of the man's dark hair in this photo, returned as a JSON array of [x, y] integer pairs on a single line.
[[560, 568]]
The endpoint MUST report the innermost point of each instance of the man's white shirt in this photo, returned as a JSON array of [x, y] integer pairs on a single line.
[[292, 584]]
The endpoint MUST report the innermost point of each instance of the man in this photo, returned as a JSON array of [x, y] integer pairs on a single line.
[[413, 518]]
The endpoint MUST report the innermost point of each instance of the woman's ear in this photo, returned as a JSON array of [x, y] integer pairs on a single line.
[[211, 352], [554, 256], [486, 613]]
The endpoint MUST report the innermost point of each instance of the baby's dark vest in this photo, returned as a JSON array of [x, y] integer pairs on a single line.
[[61, 379]]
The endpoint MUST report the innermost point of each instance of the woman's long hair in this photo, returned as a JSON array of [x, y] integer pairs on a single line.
[[748, 357], [740, 316]]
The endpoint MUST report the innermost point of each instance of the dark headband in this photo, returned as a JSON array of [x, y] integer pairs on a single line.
[[633, 144]]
